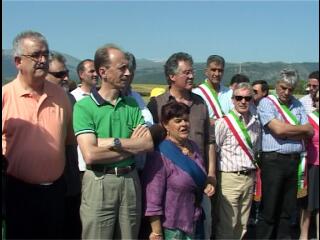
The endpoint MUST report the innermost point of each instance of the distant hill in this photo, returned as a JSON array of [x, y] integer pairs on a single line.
[[151, 72]]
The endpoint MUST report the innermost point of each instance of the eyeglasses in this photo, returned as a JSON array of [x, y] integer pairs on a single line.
[[239, 98], [61, 74], [37, 55]]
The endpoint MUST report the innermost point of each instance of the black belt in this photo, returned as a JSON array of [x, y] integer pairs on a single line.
[[286, 155], [244, 172], [111, 170]]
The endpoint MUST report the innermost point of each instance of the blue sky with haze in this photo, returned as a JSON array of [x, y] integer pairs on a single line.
[[241, 31]]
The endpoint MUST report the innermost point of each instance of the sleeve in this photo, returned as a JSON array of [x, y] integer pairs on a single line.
[[82, 119], [220, 132], [154, 184], [266, 111], [153, 108]]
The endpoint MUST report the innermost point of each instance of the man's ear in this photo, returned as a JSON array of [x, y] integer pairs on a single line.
[[17, 62], [172, 78]]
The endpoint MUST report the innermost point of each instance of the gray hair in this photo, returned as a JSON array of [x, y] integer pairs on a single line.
[[289, 76], [54, 56], [17, 42], [172, 64], [243, 85], [217, 59]]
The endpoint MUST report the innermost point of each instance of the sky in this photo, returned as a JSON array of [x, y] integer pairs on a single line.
[[240, 31]]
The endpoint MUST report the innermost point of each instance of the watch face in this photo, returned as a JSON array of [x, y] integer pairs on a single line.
[[117, 143]]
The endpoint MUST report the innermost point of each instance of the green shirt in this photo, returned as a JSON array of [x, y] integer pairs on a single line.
[[95, 115]]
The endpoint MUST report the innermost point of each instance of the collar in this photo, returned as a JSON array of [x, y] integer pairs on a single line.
[[96, 97], [252, 117], [22, 92], [222, 88]]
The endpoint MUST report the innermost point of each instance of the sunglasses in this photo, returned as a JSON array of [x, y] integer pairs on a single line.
[[61, 74], [239, 98], [313, 86]]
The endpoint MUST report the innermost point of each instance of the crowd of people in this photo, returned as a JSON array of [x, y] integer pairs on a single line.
[[196, 162]]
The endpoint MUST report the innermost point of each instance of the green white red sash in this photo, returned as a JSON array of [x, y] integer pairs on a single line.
[[284, 111], [288, 117], [241, 133], [212, 98], [314, 119]]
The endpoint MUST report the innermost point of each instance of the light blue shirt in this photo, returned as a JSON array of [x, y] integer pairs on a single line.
[[144, 110], [267, 111], [224, 97]]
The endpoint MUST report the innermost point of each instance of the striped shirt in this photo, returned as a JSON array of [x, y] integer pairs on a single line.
[[307, 103], [267, 112], [231, 156]]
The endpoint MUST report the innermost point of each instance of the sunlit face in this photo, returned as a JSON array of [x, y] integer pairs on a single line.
[[58, 74], [178, 128], [214, 73], [313, 85], [184, 77], [34, 60], [258, 93], [284, 92], [241, 100], [89, 75], [117, 74]]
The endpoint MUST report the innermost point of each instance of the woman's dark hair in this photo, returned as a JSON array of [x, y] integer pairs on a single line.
[[173, 109]]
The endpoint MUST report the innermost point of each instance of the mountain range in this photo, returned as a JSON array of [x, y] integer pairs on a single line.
[[151, 72]]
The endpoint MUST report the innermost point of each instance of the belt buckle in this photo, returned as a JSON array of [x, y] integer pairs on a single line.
[[116, 171]]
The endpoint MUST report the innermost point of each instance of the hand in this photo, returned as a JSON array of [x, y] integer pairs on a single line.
[[155, 236], [140, 131], [209, 190]]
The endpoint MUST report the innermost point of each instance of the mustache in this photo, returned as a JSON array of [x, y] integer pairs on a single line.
[[44, 66]]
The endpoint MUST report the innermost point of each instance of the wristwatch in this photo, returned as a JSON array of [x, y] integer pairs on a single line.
[[116, 145]]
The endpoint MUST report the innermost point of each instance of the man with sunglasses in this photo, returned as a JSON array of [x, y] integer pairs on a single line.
[[237, 141], [313, 85], [285, 126], [36, 130], [59, 75]]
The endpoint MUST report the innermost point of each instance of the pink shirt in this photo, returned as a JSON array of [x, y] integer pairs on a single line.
[[34, 133], [312, 146]]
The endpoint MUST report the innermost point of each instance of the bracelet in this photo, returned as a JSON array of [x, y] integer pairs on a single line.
[[156, 234]]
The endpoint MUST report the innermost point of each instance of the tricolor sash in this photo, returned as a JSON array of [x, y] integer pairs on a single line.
[[212, 98], [173, 153], [289, 118], [313, 118], [241, 134]]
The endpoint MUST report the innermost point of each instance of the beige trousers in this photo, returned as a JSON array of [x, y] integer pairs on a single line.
[[110, 206], [233, 204]]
